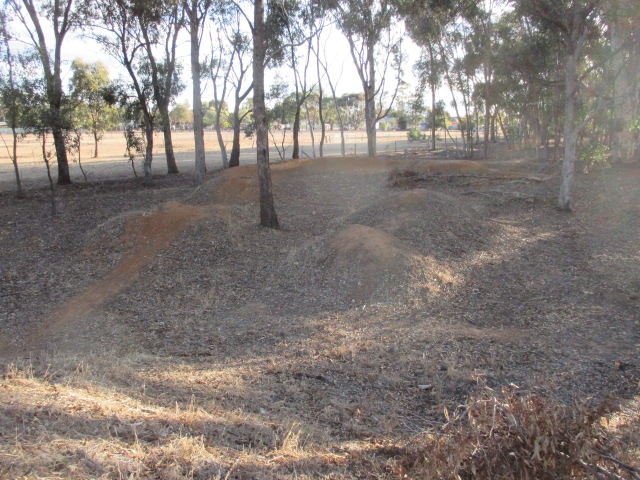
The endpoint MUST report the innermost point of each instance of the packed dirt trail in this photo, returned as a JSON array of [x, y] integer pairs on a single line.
[[148, 235]]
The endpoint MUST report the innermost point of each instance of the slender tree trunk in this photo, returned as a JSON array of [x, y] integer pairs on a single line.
[[268, 217], [14, 160], [196, 74], [223, 147], [323, 127], [96, 140], [311, 132], [493, 128], [433, 117], [343, 143], [447, 75], [433, 96], [148, 154], [52, 187], [504, 132], [172, 167], [295, 152], [64, 177], [234, 160], [487, 110], [224, 157], [565, 199], [13, 115], [370, 103], [320, 108], [332, 87], [626, 92]]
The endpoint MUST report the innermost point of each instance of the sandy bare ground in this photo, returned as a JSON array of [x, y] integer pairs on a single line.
[[160, 333]]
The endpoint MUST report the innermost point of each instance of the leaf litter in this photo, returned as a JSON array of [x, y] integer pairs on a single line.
[[229, 351]]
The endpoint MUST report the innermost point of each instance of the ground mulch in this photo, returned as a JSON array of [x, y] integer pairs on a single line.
[[396, 287]]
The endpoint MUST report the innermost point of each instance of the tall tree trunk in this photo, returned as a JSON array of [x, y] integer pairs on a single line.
[[223, 147], [370, 104], [626, 91], [493, 128], [295, 152], [332, 87], [504, 132], [268, 217], [320, 108], [565, 199], [234, 159], [487, 110], [96, 140], [64, 177], [13, 116], [172, 167], [148, 154], [14, 160], [433, 117], [343, 142], [447, 75], [196, 74], [311, 132], [52, 187], [433, 96]]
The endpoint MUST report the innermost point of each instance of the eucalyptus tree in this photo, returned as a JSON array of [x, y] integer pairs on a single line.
[[525, 85], [624, 33], [10, 97], [483, 39], [48, 22], [220, 65], [426, 22], [242, 87], [300, 30], [266, 30], [160, 23], [353, 109], [89, 82], [370, 27], [320, 96], [578, 25], [118, 31], [197, 11], [35, 117], [322, 66], [266, 24], [231, 22]]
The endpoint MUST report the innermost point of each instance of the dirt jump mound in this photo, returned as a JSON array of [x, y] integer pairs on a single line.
[[433, 223], [370, 265]]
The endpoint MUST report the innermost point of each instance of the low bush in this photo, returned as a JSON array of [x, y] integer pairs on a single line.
[[414, 135], [594, 154], [518, 435]]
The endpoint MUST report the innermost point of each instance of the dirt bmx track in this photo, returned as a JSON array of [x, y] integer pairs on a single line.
[[160, 333]]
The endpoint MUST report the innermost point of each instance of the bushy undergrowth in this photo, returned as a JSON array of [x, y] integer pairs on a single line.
[[593, 155], [516, 435], [401, 178], [414, 135]]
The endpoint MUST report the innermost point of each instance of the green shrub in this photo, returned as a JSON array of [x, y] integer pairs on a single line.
[[414, 134], [594, 154]]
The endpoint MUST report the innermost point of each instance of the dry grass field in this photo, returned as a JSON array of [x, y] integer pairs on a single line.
[[112, 161], [415, 317]]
